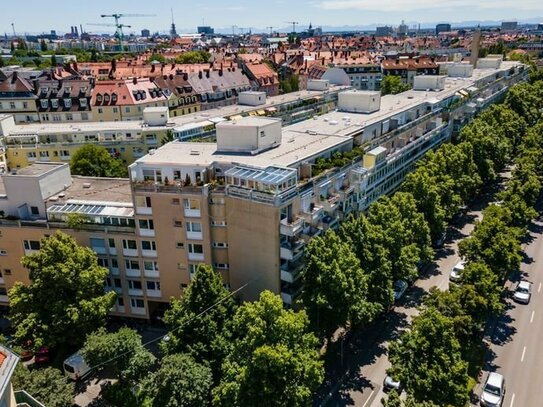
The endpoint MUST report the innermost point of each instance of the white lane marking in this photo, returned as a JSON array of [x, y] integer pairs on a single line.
[[532, 318], [523, 353], [539, 288], [369, 398], [512, 400]]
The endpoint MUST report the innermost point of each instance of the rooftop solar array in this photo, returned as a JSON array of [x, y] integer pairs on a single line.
[[91, 210]]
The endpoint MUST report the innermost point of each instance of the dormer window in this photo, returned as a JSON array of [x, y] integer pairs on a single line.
[[44, 103], [44, 90], [83, 89], [106, 98], [114, 97], [67, 89], [67, 103], [83, 102], [99, 98], [54, 103]]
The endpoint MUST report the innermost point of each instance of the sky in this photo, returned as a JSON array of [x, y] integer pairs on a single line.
[[37, 16]]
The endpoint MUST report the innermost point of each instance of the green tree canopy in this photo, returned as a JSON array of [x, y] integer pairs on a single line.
[[179, 382], [65, 299], [203, 336], [122, 351], [428, 362], [193, 57], [49, 386], [335, 287], [94, 161], [274, 360], [392, 84]]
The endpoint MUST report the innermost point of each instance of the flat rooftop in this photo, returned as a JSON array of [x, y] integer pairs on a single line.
[[96, 190], [36, 169], [177, 121], [306, 139]]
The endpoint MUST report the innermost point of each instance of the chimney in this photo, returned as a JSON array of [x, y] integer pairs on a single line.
[[186, 76], [207, 73], [200, 74], [135, 80], [36, 84]]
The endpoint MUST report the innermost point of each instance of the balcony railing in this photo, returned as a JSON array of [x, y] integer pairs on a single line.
[[23, 399], [312, 216], [291, 228], [330, 203]]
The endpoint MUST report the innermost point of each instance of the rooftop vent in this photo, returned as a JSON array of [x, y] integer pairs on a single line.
[[61, 195], [86, 185], [194, 152]]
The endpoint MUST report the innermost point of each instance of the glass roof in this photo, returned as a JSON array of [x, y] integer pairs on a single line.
[[271, 175], [91, 209]]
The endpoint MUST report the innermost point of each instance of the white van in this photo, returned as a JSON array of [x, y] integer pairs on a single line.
[[75, 367]]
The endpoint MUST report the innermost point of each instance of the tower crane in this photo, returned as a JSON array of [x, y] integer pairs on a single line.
[[119, 27], [271, 30], [294, 24]]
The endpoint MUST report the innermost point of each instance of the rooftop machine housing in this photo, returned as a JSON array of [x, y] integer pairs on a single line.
[[356, 101], [250, 135], [429, 82], [252, 98]]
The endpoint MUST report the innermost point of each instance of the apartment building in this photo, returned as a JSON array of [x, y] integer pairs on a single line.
[[363, 76], [246, 204], [125, 100], [21, 145], [18, 99], [407, 67]]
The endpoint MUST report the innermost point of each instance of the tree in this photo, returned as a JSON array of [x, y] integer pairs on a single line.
[[428, 363], [193, 57], [43, 45], [65, 299], [54, 61], [168, 137], [95, 161], [122, 350], [203, 336], [49, 386], [366, 240], [274, 360], [179, 382], [335, 287], [393, 84]]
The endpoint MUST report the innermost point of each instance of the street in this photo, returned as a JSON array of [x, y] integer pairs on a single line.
[[358, 380]]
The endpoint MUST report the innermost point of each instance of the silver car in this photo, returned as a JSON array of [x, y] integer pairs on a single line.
[[456, 272], [390, 384], [493, 390], [523, 293]]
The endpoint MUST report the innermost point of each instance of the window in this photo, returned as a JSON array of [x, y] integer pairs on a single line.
[[137, 303], [31, 154], [3, 253], [31, 244], [54, 103], [7, 272], [12, 105], [194, 227], [218, 223], [56, 118], [132, 264], [83, 102], [143, 201], [175, 201], [153, 285], [103, 262], [100, 110], [69, 117], [34, 210], [115, 110], [179, 245], [134, 285], [196, 248], [45, 117], [191, 204], [177, 223], [44, 103], [221, 266], [130, 244], [44, 154], [148, 245], [193, 268], [84, 116], [146, 224], [150, 265], [120, 301], [111, 243], [127, 109], [114, 264], [220, 245]]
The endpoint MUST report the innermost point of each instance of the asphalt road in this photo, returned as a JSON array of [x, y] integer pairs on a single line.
[[515, 345], [362, 364]]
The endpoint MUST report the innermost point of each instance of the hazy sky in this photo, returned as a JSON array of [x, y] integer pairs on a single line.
[[34, 16]]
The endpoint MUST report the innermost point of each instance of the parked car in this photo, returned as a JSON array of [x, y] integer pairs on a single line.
[[456, 272], [399, 289], [493, 390], [440, 241], [75, 367], [523, 293], [42, 355], [390, 384]]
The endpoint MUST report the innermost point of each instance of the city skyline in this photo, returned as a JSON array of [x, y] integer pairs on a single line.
[[274, 13]]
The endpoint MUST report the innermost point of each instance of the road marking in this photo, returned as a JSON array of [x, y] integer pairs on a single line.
[[539, 288], [532, 318], [369, 398], [512, 400], [523, 353]]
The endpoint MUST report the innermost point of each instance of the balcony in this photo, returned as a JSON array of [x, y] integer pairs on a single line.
[[4, 298], [330, 203], [130, 252], [291, 228], [133, 272], [23, 399], [195, 235], [136, 292], [138, 311], [345, 193], [147, 232], [144, 210], [313, 214], [154, 293], [330, 222], [311, 232], [292, 251], [113, 251], [291, 272], [196, 256], [151, 273], [290, 292], [193, 213], [114, 271], [148, 253]]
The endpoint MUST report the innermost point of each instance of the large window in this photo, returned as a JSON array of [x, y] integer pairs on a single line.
[[196, 248], [146, 224], [193, 226], [143, 201], [148, 245], [130, 244], [31, 244], [132, 264]]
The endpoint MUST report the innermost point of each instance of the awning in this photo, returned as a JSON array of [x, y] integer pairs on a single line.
[[271, 109], [236, 117], [463, 93], [253, 113], [261, 112]]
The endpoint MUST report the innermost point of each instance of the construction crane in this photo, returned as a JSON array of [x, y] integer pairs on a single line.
[[118, 30], [119, 27], [294, 24], [271, 30]]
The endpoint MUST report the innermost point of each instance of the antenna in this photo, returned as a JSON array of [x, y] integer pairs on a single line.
[[294, 24]]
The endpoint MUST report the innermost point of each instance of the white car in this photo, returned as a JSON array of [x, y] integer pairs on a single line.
[[390, 384], [456, 272], [399, 289], [493, 390], [523, 292]]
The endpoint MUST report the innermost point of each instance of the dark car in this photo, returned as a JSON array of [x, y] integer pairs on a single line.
[[42, 355]]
